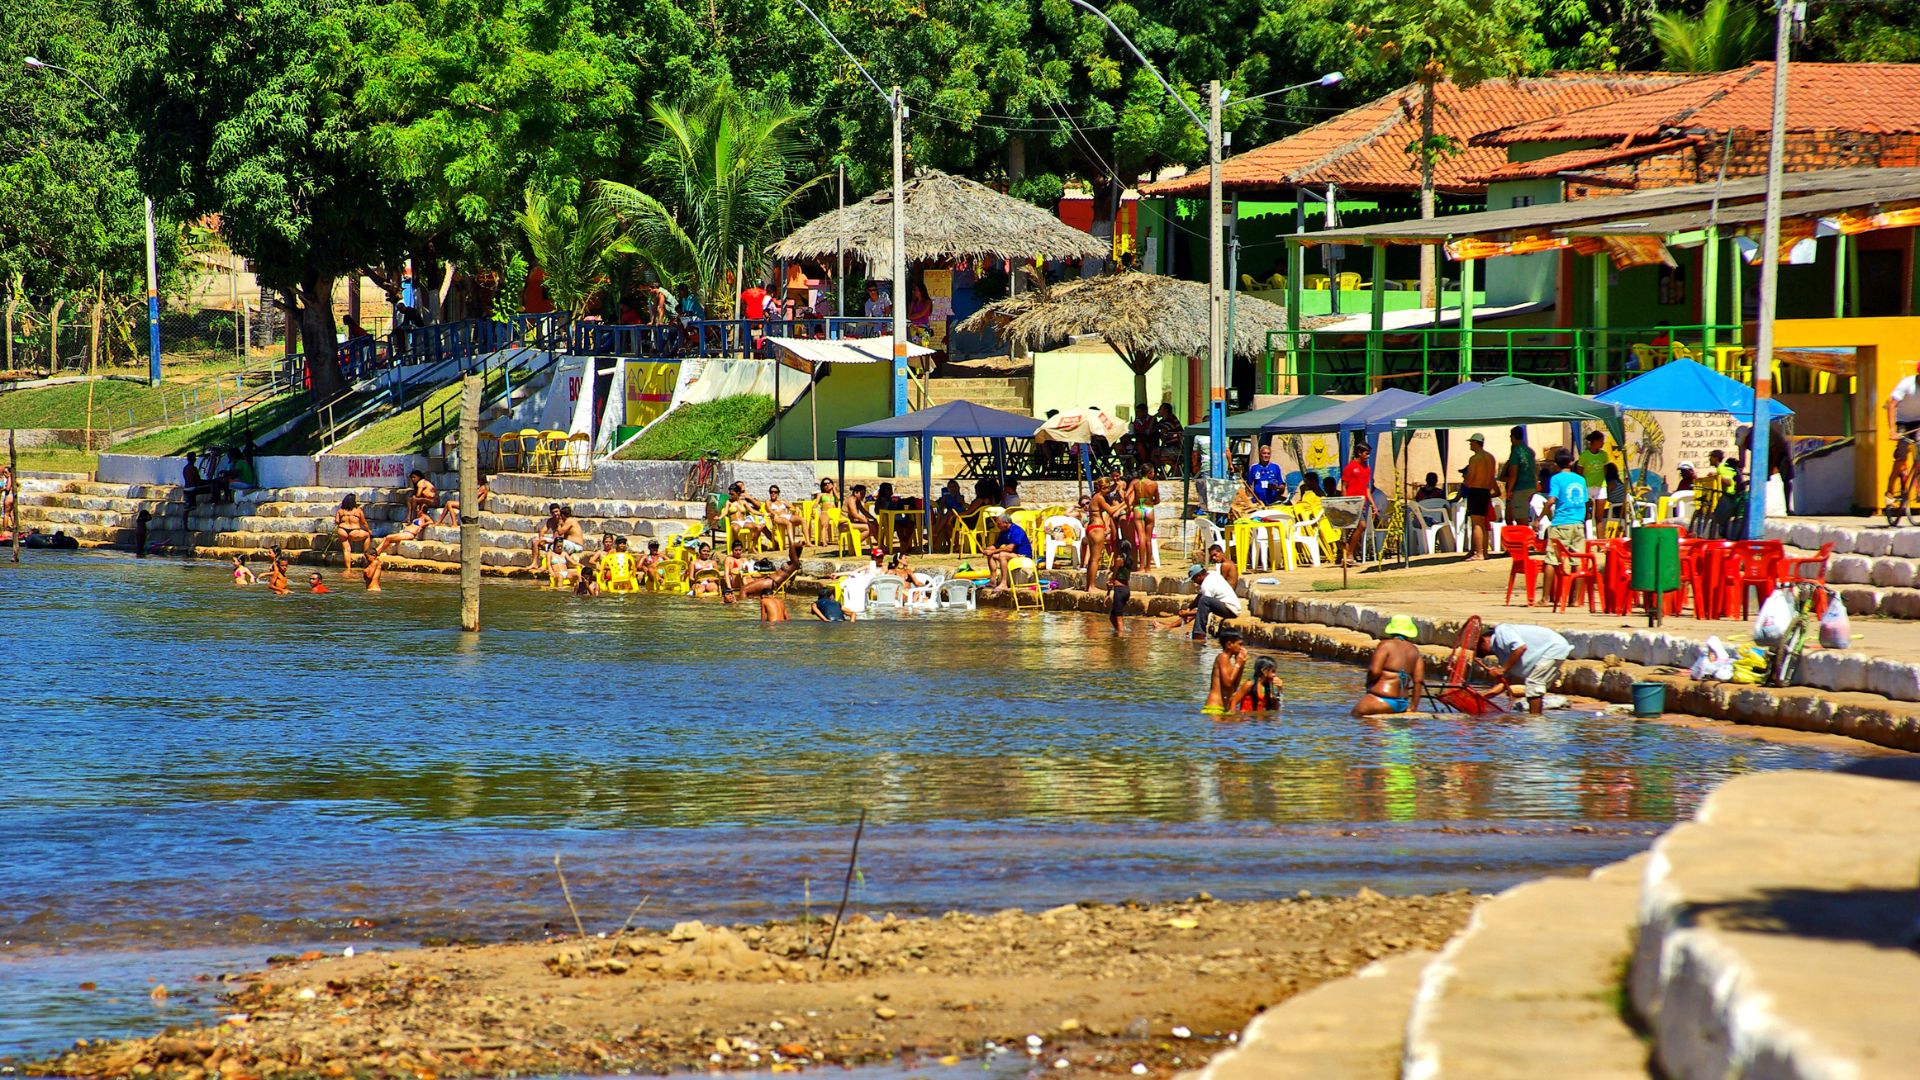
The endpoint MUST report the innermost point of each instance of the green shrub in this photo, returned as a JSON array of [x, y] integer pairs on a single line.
[[727, 428]]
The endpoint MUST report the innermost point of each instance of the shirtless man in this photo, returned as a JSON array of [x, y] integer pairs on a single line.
[[350, 527], [543, 537], [423, 496], [569, 539], [773, 606], [410, 531], [1396, 674], [859, 516], [1226, 671]]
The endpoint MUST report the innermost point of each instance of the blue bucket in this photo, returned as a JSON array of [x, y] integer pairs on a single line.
[[1649, 698]]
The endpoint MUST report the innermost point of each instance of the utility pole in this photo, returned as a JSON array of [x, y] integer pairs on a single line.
[[470, 392], [1216, 307], [1769, 279], [840, 254], [899, 106]]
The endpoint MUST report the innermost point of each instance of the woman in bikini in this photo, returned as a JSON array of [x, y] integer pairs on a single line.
[[828, 501], [705, 573], [1396, 673], [780, 513], [1099, 528], [242, 575], [1146, 498]]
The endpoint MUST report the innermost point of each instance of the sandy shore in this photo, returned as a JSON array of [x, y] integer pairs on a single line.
[[1102, 988]]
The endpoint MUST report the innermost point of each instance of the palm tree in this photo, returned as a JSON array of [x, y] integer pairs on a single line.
[[573, 244], [720, 178], [1725, 35]]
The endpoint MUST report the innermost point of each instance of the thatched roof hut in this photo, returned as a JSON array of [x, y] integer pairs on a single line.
[[947, 217], [1143, 316]]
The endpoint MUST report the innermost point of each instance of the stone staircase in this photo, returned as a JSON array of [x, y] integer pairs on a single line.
[[1009, 393], [300, 521], [1873, 569], [1772, 936]]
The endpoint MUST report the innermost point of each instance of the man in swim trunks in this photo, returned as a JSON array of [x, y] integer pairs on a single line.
[[350, 527], [773, 605], [1477, 485], [1226, 671], [569, 539], [543, 537], [1396, 673]]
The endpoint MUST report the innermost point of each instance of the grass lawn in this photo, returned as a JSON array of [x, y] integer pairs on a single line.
[[260, 419], [727, 427], [401, 434], [58, 459], [65, 406]]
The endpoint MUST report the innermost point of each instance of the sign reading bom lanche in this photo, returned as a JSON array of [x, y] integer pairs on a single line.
[[368, 470]]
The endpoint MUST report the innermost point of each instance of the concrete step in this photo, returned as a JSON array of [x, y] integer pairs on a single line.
[[660, 509], [1531, 988], [1349, 1029], [1776, 930], [1868, 538]]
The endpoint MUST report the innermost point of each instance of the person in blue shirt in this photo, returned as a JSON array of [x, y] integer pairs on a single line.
[[1011, 544], [1566, 513], [1265, 479]]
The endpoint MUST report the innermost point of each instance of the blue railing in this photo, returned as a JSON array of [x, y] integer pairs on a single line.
[[713, 337]]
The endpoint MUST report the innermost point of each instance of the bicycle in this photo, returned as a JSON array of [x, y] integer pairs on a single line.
[[1900, 485], [1783, 660], [699, 484]]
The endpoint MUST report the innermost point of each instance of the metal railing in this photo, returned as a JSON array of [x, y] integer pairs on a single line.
[[715, 338], [1583, 360]]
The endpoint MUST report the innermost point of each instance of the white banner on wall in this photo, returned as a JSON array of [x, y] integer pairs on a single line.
[[368, 470]]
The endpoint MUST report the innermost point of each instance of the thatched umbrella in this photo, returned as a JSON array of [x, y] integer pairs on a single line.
[[947, 217], [1143, 317]]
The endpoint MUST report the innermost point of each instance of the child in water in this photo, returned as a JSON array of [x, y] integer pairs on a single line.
[[242, 575], [1260, 693], [1226, 672]]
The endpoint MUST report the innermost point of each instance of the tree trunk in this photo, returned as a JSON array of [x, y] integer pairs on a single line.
[[1429, 254], [1140, 380], [318, 338]]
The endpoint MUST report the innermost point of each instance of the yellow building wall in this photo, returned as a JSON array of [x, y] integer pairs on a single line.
[[1886, 352]]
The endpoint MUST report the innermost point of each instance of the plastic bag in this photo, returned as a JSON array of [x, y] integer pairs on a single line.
[[1714, 661], [1776, 614], [1836, 631]]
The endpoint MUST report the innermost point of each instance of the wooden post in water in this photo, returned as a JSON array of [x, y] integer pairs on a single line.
[[13, 490], [470, 391]]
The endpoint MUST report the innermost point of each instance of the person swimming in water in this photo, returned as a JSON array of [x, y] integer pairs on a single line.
[[1396, 673], [241, 574], [1260, 693], [1226, 671]]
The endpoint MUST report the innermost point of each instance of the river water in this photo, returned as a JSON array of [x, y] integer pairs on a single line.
[[198, 775]]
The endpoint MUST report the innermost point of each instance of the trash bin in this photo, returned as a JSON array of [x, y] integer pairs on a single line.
[[1649, 698], [1655, 558]]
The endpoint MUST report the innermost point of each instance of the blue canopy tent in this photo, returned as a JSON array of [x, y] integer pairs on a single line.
[[1688, 386], [953, 420]]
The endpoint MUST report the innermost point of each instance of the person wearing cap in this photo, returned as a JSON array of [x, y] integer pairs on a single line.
[[1534, 653], [1216, 597], [1477, 485], [1685, 483], [1396, 673]]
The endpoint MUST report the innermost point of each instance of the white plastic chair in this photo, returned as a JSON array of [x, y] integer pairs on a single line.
[[1680, 507], [1161, 513], [1063, 532], [1433, 521], [957, 593], [927, 596], [885, 591], [1199, 532], [1305, 534]]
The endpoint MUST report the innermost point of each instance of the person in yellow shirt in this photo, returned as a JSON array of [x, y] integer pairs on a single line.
[[1308, 505], [1592, 464]]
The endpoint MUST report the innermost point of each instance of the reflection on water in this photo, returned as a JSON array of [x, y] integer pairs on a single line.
[[191, 764]]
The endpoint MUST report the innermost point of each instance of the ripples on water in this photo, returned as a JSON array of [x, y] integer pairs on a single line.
[[194, 765]]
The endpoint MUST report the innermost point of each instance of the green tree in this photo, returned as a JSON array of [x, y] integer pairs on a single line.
[[574, 244], [70, 203], [721, 177], [244, 112], [1463, 42], [1887, 32], [1726, 34]]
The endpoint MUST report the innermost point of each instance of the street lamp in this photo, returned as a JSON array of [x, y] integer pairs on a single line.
[[897, 106], [1216, 304], [34, 63]]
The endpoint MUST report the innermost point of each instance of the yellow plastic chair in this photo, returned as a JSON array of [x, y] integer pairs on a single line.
[[519, 445], [670, 576], [577, 454], [973, 536], [1277, 281], [1028, 520], [1350, 281], [1026, 594], [547, 449], [1317, 281], [618, 573]]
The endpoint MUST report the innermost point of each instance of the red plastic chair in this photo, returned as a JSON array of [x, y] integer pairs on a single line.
[[1702, 564], [1517, 542], [1805, 569], [1576, 568], [1616, 575], [1750, 570]]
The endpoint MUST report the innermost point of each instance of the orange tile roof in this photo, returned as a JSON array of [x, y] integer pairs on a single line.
[[1554, 164], [1365, 148], [1878, 98]]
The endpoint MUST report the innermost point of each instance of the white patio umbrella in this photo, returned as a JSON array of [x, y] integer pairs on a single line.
[[1077, 427]]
